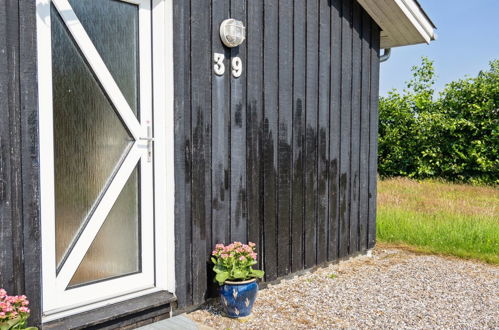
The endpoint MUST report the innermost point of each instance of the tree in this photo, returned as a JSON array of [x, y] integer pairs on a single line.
[[454, 136]]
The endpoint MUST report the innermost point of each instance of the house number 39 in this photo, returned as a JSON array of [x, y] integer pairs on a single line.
[[219, 67]]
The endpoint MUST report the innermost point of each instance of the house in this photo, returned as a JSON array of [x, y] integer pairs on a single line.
[[132, 140]]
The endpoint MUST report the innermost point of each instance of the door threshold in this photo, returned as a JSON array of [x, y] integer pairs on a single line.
[[155, 303]]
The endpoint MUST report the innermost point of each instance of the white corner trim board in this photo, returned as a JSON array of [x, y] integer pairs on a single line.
[[403, 22]]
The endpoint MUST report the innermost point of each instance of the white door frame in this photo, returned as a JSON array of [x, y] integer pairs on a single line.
[[162, 258]]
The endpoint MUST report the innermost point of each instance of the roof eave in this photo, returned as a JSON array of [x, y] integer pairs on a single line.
[[403, 22]]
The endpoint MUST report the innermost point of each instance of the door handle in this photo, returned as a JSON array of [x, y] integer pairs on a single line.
[[150, 139]]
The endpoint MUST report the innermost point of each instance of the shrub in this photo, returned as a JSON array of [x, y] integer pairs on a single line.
[[454, 136]]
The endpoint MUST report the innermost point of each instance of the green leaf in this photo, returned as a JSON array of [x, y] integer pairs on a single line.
[[240, 274], [219, 268], [221, 277], [16, 323], [257, 273]]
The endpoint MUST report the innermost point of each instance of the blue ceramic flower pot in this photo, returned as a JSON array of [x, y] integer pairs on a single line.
[[238, 297]]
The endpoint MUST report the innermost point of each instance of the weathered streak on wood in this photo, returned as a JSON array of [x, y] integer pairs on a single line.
[[299, 83], [238, 201], [220, 109], [183, 154], [28, 92], [285, 154], [323, 130], [220, 140], [345, 128], [269, 138], [254, 123], [20, 237], [201, 150], [312, 76], [355, 128], [373, 134], [10, 184], [335, 129], [364, 131]]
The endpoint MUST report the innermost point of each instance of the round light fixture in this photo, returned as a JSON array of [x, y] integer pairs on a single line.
[[232, 32]]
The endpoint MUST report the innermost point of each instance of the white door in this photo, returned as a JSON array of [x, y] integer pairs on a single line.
[[97, 151]]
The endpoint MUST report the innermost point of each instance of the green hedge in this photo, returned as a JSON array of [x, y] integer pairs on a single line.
[[453, 135]]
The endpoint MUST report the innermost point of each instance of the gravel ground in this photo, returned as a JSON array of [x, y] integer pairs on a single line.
[[391, 289]]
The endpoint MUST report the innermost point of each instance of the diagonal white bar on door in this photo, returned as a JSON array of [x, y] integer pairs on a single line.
[[92, 228], [99, 67]]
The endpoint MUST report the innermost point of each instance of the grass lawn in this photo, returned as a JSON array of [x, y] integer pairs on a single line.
[[438, 217]]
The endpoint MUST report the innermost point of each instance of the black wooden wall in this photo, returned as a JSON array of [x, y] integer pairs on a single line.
[[285, 155], [19, 166]]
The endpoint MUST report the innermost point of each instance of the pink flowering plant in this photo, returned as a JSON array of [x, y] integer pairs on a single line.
[[14, 311], [234, 262]]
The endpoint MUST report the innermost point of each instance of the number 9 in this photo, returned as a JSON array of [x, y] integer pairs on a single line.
[[237, 67]]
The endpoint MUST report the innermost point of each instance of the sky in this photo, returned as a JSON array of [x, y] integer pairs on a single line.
[[467, 40]]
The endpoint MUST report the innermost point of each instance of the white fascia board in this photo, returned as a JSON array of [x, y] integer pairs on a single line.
[[403, 22], [418, 19]]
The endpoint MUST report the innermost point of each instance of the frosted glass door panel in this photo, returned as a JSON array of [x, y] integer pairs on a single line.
[[113, 27], [89, 138], [115, 249]]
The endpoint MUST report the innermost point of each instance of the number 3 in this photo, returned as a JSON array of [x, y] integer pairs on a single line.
[[237, 67], [219, 66]]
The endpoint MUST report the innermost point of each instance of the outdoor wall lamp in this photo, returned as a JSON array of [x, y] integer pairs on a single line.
[[232, 32]]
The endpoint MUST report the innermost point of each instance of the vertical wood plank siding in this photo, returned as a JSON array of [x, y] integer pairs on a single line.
[[254, 123], [355, 128], [345, 126], [364, 131], [284, 155], [285, 49], [269, 138], [311, 115], [183, 153], [334, 130], [297, 184], [20, 259], [201, 203], [238, 206], [220, 134], [323, 130]]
